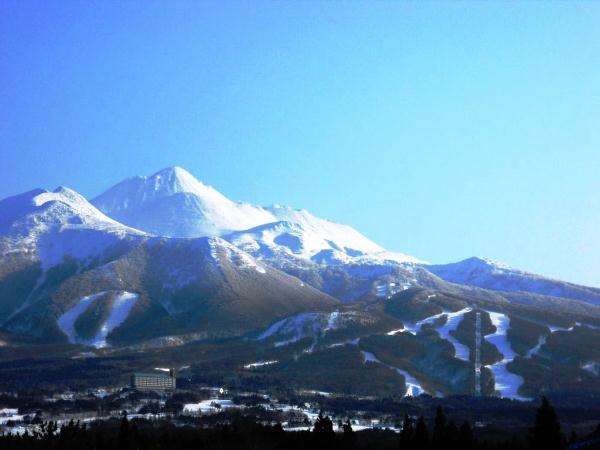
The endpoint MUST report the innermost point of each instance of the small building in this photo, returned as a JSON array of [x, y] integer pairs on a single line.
[[154, 381]]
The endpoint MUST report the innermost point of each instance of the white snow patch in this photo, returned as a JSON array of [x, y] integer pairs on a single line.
[[453, 320], [393, 332], [66, 322], [415, 327], [349, 342], [535, 350], [120, 310], [294, 328], [506, 383], [208, 406], [332, 321], [260, 364], [413, 387], [461, 351], [592, 367]]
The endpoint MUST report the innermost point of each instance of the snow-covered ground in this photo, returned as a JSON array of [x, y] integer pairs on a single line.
[[120, 309], [208, 406], [506, 383]]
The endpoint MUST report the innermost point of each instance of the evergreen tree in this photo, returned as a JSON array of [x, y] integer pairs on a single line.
[[323, 432], [451, 433], [439, 429], [546, 433], [407, 433], [323, 424], [123, 438], [465, 436], [348, 437], [421, 439], [347, 428]]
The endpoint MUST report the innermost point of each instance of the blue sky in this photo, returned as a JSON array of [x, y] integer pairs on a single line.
[[442, 130]]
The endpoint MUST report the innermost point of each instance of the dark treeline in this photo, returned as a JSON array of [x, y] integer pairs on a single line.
[[244, 433]]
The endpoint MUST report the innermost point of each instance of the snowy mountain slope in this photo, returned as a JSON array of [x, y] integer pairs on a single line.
[[173, 203], [116, 310], [490, 274], [307, 237], [184, 288], [44, 234], [331, 257], [51, 225]]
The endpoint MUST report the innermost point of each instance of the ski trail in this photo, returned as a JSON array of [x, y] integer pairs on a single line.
[[505, 382], [413, 387]]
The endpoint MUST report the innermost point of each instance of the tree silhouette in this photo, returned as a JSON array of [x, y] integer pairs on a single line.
[[347, 428], [546, 433], [421, 439], [465, 436], [407, 433], [124, 436], [323, 424], [451, 435], [348, 437], [439, 429]]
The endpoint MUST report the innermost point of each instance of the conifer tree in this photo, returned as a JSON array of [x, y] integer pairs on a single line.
[[451, 435], [323, 424], [439, 429], [348, 436], [347, 428], [546, 433], [407, 433], [421, 439], [465, 436]]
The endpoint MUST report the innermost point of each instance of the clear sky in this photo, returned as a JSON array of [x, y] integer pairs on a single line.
[[442, 130]]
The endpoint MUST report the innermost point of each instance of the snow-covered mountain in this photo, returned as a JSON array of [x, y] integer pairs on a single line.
[[49, 226], [175, 204], [64, 265], [304, 236], [69, 271], [331, 257], [489, 274], [44, 235]]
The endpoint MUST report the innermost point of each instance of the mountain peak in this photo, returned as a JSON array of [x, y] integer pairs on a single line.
[[172, 180], [172, 202], [479, 261]]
